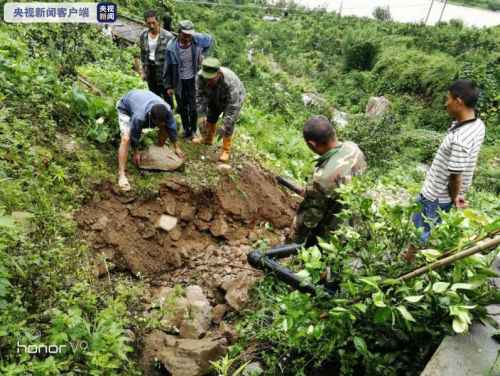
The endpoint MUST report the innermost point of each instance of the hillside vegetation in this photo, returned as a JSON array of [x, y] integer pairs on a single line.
[[58, 141]]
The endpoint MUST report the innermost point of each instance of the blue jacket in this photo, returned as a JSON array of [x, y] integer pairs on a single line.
[[137, 105], [202, 43]]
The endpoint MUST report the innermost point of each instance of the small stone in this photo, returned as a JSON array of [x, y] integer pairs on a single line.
[[100, 224], [253, 369], [166, 222], [187, 212], [175, 234], [205, 214], [223, 168], [237, 291], [228, 332], [219, 227], [169, 206], [218, 312]]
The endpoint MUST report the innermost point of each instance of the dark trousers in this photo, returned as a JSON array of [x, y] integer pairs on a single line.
[[186, 103], [429, 216], [155, 84]]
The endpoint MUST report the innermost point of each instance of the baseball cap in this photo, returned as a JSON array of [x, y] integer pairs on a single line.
[[209, 68], [186, 27]]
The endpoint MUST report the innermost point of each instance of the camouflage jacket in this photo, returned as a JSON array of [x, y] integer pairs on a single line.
[[316, 214], [227, 97], [160, 52]]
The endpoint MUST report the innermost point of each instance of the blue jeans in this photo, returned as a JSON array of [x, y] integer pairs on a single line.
[[429, 216]]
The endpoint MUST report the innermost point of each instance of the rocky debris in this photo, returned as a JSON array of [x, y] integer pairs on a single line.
[[68, 143], [180, 357], [100, 224], [313, 99], [228, 332], [253, 369], [377, 106], [223, 168], [160, 158], [219, 227], [155, 236], [218, 312], [340, 119], [237, 291], [187, 212], [391, 196], [103, 262], [166, 222], [196, 324], [271, 18]]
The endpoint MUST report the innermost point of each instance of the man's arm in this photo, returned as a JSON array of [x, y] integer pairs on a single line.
[[309, 215], [455, 187], [459, 157], [142, 56], [232, 110], [170, 131]]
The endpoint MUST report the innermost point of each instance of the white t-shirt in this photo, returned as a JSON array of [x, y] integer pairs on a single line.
[[152, 44]]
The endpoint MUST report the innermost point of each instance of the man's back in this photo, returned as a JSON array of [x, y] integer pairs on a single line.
[[346, 161]]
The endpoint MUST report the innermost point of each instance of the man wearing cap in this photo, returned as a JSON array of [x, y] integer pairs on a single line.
[[139, 109], [153, 44], [220, 91], [183, 57]]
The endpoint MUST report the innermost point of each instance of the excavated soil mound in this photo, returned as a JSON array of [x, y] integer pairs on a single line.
[[214, 226]]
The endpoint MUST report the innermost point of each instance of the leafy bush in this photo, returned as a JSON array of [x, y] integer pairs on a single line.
[[359, 51], [410, 71], [374, 324], [369, 133]]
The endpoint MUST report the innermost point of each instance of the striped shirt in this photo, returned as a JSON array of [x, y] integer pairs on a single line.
[[457, 154]]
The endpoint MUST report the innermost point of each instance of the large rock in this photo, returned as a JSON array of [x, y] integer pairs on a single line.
[[237, 291], [197, 322], [180, 357], [160, 158], [340, 119], [377, 107], [176, 308]]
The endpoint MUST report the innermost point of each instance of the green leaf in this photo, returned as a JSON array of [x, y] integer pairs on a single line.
[[378, 299], [360, 307], [327, 246], [440, 287], [459, 326], [360, 345], [463, 286], [404, 312], [304, 276], [7, 221], [371, 281], [414, 298]]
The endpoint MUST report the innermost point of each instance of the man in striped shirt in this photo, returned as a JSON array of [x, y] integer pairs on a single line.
[[450, 174]]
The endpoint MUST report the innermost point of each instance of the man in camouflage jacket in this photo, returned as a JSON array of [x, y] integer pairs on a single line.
[[220, 91], [336, 165]]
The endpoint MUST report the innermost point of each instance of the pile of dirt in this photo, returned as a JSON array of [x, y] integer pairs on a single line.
[[207, 233]]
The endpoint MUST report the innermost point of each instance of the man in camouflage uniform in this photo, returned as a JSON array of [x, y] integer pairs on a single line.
[[220, 91], [336, 165], [153, 44]]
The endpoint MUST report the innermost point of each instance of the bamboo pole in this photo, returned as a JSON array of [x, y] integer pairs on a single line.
[[491, 243]]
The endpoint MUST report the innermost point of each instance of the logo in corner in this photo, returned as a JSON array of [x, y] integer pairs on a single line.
[[107, 12]]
